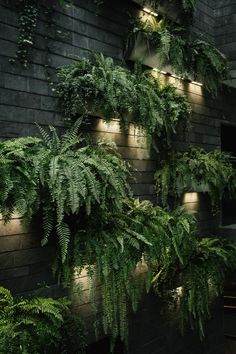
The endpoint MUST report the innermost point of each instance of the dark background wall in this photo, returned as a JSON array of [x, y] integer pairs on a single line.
[[26, 98], [225, 31]]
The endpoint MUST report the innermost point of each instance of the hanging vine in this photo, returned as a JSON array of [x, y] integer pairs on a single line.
[[27, 22]]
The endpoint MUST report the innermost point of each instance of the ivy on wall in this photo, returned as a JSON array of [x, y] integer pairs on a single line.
[[27, 22]]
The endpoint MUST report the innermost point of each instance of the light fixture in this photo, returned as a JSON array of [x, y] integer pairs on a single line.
[[160, 71], [196, 83], [150, 12], [178, 77], [191, 197]]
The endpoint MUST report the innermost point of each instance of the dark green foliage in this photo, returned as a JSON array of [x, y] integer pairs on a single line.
[[98, 87], [59, 177], [197, 170], [75, 176], [110, 244], [187, 55], [143, 245], [27, 24], [191, 287], [30, 326], [188, 272], [18, 177], [73, 336], [203, 280], [207, 63]]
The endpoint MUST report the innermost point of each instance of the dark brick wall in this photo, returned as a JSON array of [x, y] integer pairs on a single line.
[[204, 19], [225, 31], [25, 98]]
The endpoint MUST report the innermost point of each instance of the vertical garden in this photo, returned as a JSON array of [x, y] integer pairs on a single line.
[[79, 188]]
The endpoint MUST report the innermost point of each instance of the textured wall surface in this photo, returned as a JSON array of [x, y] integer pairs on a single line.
[[26, 98], [225, 31]]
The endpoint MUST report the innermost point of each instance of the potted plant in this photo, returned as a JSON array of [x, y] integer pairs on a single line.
[[170, 48], [97, 86], [196, 170]]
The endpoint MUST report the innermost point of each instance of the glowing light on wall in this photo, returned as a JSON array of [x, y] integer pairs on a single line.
[[13, 216], [150, 12], [192, 197], [133, 137], [178, 77], [196, 83]]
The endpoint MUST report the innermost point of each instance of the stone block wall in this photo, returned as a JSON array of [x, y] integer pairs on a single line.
[[26, 98]]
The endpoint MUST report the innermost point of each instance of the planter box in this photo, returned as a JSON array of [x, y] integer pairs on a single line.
[[140, 50]]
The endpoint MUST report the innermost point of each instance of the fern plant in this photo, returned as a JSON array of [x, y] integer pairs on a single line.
[[197, 170], [187, 273], [189, 289], [59, 177], [98, 87], [30, 326], [109, 246], [113, 243], [187, 55], [18, 177], [207, 63], [203, 281]]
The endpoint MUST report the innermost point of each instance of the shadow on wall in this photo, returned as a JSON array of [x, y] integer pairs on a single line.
[[230, 345]]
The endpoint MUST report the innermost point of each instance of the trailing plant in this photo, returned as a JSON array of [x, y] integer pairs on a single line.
[[30, 326], [187, 55], [204, 279], [166, 39], [190, 288], [113, 244], [196, 170], [109, 247], [97, 87], [18, 177], [59, 177], [207, 63], [188, 272], [27, 24]]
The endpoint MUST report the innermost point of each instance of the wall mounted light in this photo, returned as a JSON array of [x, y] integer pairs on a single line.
[[191, 197], [178, 77], [196, 83], [150, 12]]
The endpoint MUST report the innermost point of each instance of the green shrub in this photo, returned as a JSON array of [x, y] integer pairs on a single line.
[[197, 170], [187, 273], [60, 177], [189, 56], [98, 87], [30, 326], [189, 289]]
